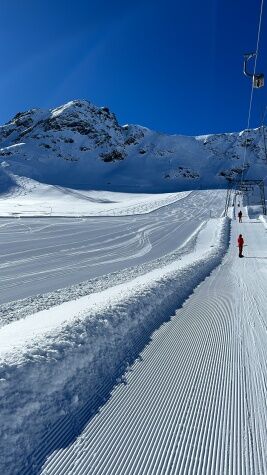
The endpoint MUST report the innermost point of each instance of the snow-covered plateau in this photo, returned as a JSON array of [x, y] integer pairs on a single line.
[[133, 339]]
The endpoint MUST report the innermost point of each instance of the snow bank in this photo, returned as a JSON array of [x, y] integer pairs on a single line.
[[58, 365]]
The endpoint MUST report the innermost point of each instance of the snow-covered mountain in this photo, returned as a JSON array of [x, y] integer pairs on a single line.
[[81, 145]]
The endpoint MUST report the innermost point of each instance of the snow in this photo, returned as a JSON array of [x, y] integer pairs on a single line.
[[17, 335], [263, 219], [42, 255], [132, 339], [98, 329], [82, 146], [195, 400], [195, 395], [36, 199]]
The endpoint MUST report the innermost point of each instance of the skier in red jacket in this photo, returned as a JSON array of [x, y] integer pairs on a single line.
[[240, 243]]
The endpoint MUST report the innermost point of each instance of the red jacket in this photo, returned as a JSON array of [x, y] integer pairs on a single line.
[[240, 241]]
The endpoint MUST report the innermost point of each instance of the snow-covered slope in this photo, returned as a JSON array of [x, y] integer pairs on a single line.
[[45, 358], [195, 402], [83, 146], [32, 198]]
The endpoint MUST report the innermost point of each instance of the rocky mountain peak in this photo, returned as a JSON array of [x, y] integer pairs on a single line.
[[79, 142]]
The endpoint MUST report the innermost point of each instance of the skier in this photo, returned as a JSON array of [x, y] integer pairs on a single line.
[[240, 243], [240, 216]]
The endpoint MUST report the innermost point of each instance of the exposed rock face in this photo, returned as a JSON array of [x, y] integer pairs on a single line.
[[79, 143]]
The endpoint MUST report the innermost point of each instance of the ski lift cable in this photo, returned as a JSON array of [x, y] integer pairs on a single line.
[[264, 138], [252, 89], [263, 133]]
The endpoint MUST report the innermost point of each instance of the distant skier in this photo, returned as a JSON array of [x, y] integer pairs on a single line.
[[240, 243], [240, 216]]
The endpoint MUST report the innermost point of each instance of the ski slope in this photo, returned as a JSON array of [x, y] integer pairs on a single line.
[[42, 255], [84, 387], [195, 402], [33, 199]]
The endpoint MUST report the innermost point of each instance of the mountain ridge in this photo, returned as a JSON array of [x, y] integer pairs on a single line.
[[81, 145]]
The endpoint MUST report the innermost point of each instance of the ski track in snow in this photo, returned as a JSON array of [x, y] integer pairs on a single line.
[[196, 400], [193, 402], [40, 200], [38, 257], [13, 311], [106, 338]]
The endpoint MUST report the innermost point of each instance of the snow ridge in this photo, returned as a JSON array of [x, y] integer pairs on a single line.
[[87, 353], [195, 402], [83, 146]]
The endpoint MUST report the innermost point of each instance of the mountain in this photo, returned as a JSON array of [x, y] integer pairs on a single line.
[[81, 145]]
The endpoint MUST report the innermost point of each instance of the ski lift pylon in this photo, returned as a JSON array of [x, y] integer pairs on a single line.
[[257, 79]]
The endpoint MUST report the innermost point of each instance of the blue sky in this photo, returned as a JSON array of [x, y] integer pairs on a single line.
[[173, 66]]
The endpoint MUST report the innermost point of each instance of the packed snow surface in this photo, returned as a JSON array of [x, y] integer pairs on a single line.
[[100, 246], [38, 256], [37, 199], [99, 331], [195, 402], [134, 344]]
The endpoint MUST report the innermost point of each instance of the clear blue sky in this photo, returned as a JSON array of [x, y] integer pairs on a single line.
[[171, 65]]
